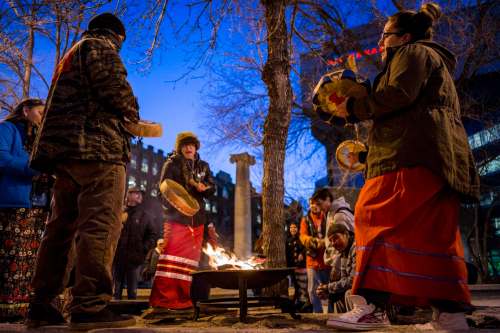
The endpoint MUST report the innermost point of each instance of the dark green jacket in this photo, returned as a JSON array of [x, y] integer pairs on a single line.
[[90, 97], [416, 117]]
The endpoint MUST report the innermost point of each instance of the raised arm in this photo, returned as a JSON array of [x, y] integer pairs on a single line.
[[407, 73]]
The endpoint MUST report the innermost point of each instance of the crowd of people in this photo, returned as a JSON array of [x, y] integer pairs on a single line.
[[62, 175]]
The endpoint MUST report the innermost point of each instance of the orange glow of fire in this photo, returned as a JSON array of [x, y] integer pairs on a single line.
[[218, 256]]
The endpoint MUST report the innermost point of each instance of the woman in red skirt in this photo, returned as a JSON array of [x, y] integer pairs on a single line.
[[183, 235], [419, 166]]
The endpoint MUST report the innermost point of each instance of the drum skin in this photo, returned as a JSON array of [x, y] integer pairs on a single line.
[[345, 150], [178, 197]]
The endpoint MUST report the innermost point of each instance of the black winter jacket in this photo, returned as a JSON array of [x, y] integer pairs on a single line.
[[294, 249], [182, 170], [138, 236]]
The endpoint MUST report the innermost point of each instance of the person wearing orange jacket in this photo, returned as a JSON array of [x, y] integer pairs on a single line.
[[312, 232]]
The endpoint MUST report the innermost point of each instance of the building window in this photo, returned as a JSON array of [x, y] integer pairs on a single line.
[[225, 193], [207, 206], [259, 219], [496, 224], [154, 193], [131, 181], [154, 169], [133, 163], [214, 208], [144, 183], [485, 137], [144, 166], [490, 167], [487, 199]]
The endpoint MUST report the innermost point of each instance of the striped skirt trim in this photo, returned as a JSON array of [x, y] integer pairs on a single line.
[[408, 240]]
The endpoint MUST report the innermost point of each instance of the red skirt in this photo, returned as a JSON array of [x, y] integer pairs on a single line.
[[407, 238], [181, 256]]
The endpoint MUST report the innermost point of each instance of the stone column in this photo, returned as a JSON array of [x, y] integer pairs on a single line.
[[242, 205]]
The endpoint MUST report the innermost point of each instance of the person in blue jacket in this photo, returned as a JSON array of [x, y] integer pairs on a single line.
[[23, 208]]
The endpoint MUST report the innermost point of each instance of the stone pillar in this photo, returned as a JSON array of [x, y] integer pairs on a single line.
[[242, 205]]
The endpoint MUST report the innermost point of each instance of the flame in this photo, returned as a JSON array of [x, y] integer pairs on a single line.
[[218, 256]]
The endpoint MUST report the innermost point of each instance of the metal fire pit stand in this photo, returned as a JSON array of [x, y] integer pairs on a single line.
[[243, 302]]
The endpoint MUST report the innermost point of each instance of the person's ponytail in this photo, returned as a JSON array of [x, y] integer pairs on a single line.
[[417, 24], [424, 20]]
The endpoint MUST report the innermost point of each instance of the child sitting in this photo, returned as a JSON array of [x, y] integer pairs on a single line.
[[343, 267]]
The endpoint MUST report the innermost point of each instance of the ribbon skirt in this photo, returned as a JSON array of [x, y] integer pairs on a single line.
[[181, 256], [407, 239]]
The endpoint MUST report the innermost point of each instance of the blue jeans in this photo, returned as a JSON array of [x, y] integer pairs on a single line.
[[314, 278]]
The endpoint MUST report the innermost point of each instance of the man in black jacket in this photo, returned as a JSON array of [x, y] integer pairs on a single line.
[[137, 238]]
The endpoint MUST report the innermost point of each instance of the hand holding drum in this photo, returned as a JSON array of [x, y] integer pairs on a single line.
[[330, 101], [200, 187], [331, 93], [144, 128]]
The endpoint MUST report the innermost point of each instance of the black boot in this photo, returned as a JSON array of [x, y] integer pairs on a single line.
[[43, 314], [102, 319]]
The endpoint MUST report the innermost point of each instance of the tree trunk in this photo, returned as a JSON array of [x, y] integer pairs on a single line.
[[58, 34], [30, 45], [276, 76]]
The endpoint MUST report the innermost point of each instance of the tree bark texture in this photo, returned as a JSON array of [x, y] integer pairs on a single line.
[[30, 45], [276, 76]]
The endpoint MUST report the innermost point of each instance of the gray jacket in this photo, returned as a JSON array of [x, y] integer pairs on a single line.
[[343, 270], [340, 212]]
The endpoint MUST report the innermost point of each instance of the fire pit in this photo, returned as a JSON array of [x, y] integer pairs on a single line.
[[242, 280]]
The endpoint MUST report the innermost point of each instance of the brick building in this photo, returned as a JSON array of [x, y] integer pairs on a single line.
[[144, 170]]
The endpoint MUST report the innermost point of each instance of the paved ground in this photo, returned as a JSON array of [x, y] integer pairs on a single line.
[[275, 323], [485, 319]]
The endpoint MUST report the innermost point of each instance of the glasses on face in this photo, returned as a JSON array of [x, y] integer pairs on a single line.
[[384, 35]]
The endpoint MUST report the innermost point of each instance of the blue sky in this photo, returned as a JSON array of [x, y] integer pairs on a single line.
[[179, 107]]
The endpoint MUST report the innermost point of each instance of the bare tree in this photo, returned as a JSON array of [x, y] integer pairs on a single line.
[[254, 115], [276, 76], [22, 24]]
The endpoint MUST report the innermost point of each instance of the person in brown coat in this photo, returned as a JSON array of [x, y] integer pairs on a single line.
[[419, 166], [82, 142]]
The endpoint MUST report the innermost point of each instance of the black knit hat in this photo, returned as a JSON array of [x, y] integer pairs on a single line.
[[107, 21]]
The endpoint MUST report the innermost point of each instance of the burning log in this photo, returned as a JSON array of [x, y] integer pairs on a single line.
[[220, 258]]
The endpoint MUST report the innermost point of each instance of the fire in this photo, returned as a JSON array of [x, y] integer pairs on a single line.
[[218, 257]]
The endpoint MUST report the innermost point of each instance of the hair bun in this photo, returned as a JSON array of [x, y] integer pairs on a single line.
[[432, 10]]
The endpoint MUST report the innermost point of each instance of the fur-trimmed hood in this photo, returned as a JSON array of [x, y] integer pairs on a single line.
[[185, 138]]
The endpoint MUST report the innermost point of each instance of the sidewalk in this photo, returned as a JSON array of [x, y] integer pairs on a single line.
[[486, 316]]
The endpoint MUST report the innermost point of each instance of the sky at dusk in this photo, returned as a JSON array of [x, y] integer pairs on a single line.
[[176, 105], [179, 106]]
